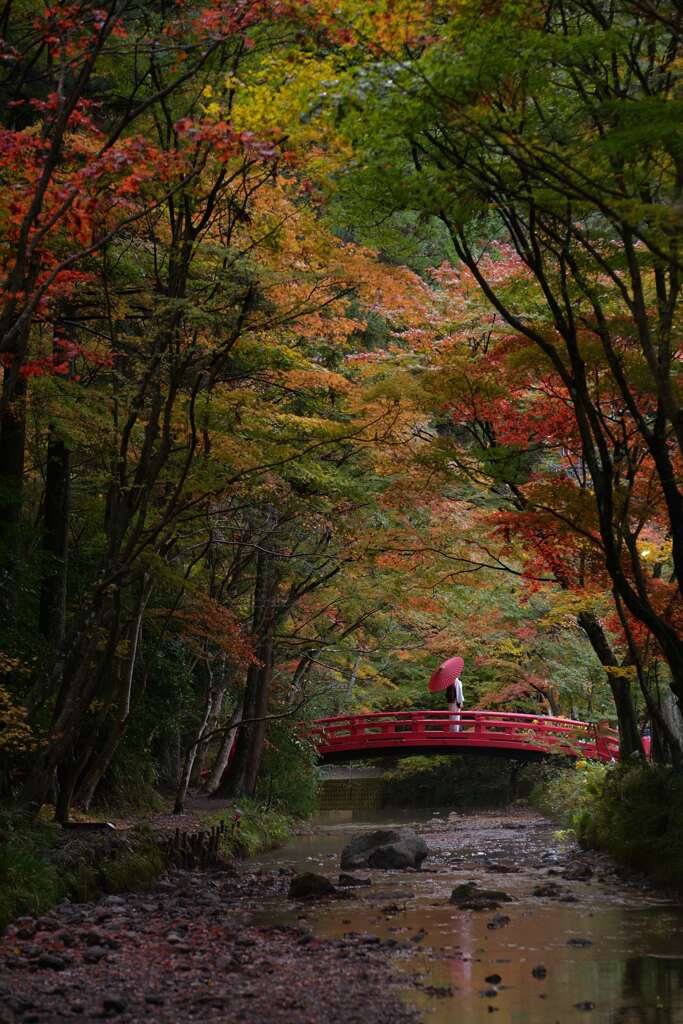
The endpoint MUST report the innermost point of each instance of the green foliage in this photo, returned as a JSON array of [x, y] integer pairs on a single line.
[[137, 869], [30, 882], [632, 811], [565, 793], [252, 828], [288, 778], [41, 865], [452, 781]]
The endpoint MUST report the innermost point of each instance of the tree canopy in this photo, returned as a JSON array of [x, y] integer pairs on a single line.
[[335, 340]]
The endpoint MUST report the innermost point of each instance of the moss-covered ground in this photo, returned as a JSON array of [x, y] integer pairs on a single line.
[[41, 864]]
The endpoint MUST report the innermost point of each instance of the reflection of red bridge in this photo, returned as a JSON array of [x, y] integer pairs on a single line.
[[529, 737]]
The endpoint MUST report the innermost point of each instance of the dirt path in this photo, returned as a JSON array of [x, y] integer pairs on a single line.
[[186, 952]]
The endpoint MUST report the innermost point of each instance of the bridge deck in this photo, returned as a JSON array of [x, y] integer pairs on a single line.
[[534, 736]]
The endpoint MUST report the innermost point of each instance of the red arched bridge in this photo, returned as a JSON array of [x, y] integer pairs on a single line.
[[530, 737]]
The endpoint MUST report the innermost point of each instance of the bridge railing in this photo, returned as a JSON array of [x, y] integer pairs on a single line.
[[494, 729]]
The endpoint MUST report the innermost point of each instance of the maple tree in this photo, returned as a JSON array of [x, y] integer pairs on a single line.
[[327, 351], [542, 175]]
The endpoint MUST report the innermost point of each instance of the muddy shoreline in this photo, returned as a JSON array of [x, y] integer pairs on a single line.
[[232, 946], [188, 951]]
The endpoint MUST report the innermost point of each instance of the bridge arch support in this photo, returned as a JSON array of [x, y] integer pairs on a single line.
[[403, 733]]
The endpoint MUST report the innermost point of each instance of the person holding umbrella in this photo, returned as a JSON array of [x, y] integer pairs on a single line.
[[447, 677], [455, 698]]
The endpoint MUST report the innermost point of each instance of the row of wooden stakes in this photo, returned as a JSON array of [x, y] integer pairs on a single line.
[[193, 850]]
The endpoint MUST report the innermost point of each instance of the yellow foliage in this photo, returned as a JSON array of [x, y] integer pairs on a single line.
[[16, 735], [287, 92], [621, 671], [510, 647], [654, 553], [566, 605]]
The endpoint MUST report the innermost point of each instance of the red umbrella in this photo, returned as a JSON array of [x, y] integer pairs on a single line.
[[446, 674]]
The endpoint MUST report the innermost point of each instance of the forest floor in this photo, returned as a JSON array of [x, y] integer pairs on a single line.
[[230, 945], [186, 951]]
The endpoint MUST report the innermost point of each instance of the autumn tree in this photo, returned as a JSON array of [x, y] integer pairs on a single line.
[[553, 166]]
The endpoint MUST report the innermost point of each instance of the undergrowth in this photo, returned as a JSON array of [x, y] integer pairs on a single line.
[[30, 882], [455, 781], [252, 829], [632, 811], [40, 864]]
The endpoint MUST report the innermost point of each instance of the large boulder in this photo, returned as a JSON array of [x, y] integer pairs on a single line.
[[384, 848]]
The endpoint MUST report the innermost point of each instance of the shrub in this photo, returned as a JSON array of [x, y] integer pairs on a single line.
[[565, 793], [289, 779], [30, 882], [454, 781], [633, 811], [40, 865], [252, 829]]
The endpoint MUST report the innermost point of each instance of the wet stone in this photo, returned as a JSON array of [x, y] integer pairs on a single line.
[[52, 962], [469, 896], [350, 880], [499, 921], [309, 885], [114, 1004], [502, 867], [550, 890], [398, 849], [93, 954]]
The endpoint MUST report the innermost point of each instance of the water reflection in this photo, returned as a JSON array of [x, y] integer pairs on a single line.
[[627, 968]]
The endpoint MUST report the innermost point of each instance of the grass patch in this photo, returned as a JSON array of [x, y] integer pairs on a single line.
[[252, 829], [41, 865], [30, 882]]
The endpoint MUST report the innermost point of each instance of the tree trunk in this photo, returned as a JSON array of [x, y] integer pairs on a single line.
[[244, 775], [629, 736], [94, 771], [213, 783], [666, 743], [191, 754], [258, 728], [55, 542], [12, 450], [211, 726], [85, 666]]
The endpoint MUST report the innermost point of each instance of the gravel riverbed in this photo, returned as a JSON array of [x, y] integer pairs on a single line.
[[186, 951]]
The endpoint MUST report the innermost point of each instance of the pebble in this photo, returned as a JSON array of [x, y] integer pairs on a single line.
[[498, 921], [93, 954], [114, 1004], [53, 962]]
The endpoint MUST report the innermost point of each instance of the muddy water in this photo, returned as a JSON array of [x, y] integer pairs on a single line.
[[601, 950]]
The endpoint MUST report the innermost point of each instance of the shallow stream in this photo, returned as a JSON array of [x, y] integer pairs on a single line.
[[602, 949]]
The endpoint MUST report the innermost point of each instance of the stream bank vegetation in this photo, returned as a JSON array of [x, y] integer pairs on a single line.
[[41, 865], [334, 340], [632, 811]]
